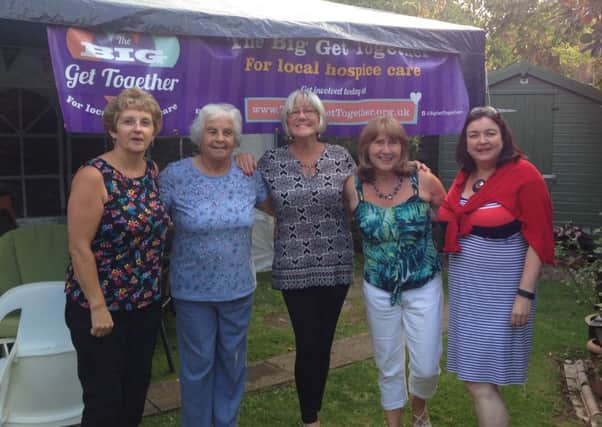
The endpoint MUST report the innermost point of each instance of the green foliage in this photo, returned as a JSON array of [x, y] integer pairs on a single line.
[[583, 17], [547, 33], [571, 59], [580, 253], [415, 146]]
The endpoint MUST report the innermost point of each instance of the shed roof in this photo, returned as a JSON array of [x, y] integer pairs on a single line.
[[526, 69]]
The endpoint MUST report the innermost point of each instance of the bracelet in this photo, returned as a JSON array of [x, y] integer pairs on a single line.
[[525, 294]]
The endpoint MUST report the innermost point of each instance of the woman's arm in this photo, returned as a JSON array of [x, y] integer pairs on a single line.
[[84, 212], [430, 189], [528, 282], [266, 206], [350, 199]]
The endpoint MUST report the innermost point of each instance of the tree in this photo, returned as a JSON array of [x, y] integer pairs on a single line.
[[535, 31], [584, 16]]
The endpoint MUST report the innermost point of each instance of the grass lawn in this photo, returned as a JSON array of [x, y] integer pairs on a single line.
[[352, 396]]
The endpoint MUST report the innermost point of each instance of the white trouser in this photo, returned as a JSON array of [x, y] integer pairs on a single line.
[[416, 323]]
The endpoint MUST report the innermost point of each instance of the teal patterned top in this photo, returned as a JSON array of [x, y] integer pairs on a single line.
[[399, 252]]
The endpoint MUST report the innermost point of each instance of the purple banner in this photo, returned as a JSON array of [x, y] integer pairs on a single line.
[[356, 81]]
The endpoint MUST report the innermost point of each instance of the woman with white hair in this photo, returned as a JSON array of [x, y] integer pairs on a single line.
[[313, 250], [212, 280]]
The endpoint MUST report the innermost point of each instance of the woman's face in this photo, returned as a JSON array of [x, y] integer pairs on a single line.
[[134, 130], [384, 153], [217, 140], [303, 121], [484, 142]]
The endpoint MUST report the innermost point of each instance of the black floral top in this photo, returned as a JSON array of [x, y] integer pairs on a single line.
[[313, 244], [129, 241]]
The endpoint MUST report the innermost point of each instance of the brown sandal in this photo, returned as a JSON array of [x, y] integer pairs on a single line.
[[421, 420]]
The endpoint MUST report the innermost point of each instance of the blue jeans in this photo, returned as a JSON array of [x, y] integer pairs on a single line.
[[212, 346]]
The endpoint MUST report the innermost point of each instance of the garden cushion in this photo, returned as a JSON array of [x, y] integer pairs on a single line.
[[31, 253], [42, 252], [9, 277], [9, 273]]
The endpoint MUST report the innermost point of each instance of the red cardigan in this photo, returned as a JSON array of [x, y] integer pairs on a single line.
[[520, 188]]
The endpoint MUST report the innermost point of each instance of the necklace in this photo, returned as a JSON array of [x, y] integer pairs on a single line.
[[388, 196], [478, 184], [309, 165]]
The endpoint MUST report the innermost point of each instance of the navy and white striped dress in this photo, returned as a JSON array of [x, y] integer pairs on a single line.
[[483, 278]]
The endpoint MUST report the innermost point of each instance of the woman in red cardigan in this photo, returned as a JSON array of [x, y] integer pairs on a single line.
[[498, 234]]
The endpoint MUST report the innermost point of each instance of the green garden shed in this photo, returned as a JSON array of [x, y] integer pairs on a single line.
[[558, 123]]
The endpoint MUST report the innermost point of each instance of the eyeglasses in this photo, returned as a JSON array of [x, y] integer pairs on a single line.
[[486, 110], [132, 121], [305, 111]]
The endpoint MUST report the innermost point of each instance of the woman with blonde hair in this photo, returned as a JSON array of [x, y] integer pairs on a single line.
[[313, 251]]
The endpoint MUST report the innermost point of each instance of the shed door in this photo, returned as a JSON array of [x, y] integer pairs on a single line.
[[530, 115]]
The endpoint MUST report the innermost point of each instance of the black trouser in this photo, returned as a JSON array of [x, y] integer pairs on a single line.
[[114, 370], [314, 313]]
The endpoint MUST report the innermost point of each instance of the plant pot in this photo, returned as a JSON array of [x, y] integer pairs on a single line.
[[594, 347], [594, 322]]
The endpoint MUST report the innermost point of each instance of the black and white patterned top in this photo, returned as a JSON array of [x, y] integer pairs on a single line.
[[313, 244]]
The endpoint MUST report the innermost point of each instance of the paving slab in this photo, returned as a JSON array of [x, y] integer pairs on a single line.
[[350, 350], [163, 396], [286, 362], [262, 375]]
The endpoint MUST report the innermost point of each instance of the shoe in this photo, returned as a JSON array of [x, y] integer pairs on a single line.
[[421, 420]]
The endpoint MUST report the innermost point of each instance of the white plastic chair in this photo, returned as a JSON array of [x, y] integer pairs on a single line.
[[38, 379]]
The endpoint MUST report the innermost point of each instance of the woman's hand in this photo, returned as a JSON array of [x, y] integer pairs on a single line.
[[102, 321], [520, 311], [422, 167], [246, 163], [522, 306]]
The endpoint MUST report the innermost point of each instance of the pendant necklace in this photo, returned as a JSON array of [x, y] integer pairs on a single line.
[[478, 184], [388, 196]]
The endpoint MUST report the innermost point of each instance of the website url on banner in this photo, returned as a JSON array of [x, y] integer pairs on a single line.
[[343, 113]]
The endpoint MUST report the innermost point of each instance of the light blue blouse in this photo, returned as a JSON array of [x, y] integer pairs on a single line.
[[213, 219]]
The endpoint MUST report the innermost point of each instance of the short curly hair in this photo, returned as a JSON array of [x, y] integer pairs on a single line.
[[211, 111], [135, 99]]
